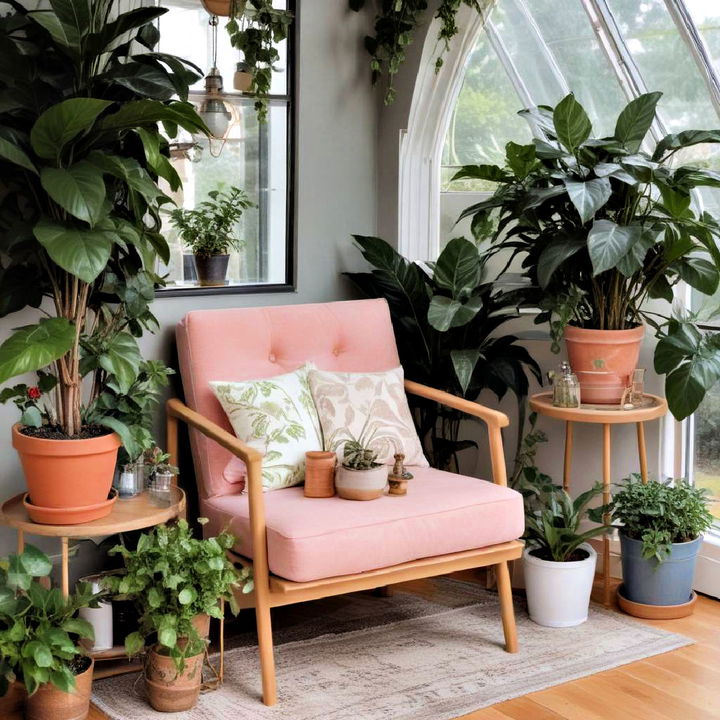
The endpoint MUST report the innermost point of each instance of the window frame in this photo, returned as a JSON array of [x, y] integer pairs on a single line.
[[289, 283]]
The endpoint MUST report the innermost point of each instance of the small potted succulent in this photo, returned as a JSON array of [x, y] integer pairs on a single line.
[[177, 582], [360, 476], [39, 634], [661, 527], [158, 472], [210, 231], [558, 562]]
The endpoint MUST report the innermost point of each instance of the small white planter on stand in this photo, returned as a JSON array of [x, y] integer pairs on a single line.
[[558, 593]]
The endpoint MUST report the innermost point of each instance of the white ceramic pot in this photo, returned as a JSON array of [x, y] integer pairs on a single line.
[[360, 484], [558, 593]]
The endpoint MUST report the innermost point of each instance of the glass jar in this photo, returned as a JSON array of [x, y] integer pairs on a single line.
[[127, 481], [566, 387], [160, 487]]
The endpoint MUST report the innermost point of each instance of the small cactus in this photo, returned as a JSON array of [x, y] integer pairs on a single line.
[[357, 457]]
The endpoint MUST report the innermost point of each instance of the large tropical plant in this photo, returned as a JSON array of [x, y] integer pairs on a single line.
[[446, 320], [603, 225], [81, 155]]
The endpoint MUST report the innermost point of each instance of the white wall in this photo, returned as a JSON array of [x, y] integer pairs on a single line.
[[335, 185]]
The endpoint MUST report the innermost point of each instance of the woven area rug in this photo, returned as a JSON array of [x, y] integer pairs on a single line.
[[371, 658]]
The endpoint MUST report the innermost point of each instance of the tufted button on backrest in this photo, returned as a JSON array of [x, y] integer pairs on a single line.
[[250, 343]]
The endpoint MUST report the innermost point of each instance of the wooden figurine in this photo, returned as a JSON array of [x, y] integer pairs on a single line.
[[398, 478]]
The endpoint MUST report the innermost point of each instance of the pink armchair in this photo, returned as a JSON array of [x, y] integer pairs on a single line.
[[301, 548]]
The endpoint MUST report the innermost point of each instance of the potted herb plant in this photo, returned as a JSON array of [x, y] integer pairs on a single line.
[[80, 219], [209, 230], [177, 583], [600, 227], [360, 476], [558, 562], [661, 527], [39, 636]]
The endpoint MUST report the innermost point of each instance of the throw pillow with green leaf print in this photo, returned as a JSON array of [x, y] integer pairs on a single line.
[[277, 417]]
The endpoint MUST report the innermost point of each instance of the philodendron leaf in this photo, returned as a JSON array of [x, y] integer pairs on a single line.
[[588, 197], [571, 122], [444, 312], [10, 151], [79, 189], [458, 268], [608, 243], [464, 362], [635, 120], [84, 253], [122, 359], [699, 273], [62, 34], [60, 123], [34, 347], [520, 158], [554, 255]]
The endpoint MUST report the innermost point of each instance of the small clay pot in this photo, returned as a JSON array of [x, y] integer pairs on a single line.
[[50, 703], [320, 474], [169, 690], [242, 79], [361, 484], [211, 269]]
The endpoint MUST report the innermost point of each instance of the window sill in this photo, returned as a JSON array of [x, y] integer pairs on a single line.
[[197, 290]]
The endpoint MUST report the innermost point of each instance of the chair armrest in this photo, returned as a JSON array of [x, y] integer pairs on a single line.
[[494, 419], [490, 416]]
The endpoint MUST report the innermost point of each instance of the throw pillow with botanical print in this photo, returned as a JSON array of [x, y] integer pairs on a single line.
[[371, 408], [276, 416]]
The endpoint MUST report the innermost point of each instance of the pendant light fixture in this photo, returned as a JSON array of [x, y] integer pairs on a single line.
[[213, 109]]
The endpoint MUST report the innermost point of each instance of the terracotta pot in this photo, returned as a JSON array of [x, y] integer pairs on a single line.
[[603, 360], [217, 7], [361, 484], [212, 269], [320, 474], [201, 623], [13, 702], [242, 80], [168, 690], [49, 703], [68, 475]]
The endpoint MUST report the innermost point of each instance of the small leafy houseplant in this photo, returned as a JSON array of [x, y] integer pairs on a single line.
[[81, 154], [177, 582], [658, 522], [255, 28], [360, 476], [600, 227], [209, 231], [447, 320], [39, 635]]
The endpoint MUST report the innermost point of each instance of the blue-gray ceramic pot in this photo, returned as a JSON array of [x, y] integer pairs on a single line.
[[652, 583]]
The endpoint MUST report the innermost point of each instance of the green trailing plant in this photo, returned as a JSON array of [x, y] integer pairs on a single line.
[[446, 320], [255, 28], [358, 457], [39, 632], [396, 22], [210, 228], [658, 513], [603, 225], [81, 154], [172, 577]]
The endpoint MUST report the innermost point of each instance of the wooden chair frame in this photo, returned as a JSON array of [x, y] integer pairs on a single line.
[[272, 591]]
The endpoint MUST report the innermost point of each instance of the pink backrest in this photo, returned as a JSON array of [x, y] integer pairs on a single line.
[[248, 343]]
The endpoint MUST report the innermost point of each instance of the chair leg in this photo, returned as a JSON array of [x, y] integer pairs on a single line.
[[265, 645], [506, 606]]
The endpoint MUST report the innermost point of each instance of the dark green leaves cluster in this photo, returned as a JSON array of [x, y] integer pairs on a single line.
[[602, 225], [446, 321], [659, 513], [210, 227], [172, 577], [38, 629]]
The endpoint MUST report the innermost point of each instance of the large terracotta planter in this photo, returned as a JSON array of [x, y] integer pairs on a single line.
[[166, 688], [68, 475], [50, 703], [603, 360]]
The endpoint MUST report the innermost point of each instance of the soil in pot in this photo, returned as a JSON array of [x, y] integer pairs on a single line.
[[68, 473], [603, 361], [169, 690], [211, 269], [50, 703]]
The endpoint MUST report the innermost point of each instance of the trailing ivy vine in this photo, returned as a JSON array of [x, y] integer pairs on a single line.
[[395, 24]]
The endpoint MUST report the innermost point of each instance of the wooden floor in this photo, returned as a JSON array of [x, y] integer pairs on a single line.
[[680, 685]]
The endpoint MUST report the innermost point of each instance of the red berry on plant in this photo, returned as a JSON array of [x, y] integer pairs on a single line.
[[34, 392]]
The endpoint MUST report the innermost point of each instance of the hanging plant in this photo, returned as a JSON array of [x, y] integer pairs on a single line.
[[395, 25], [255, 28]]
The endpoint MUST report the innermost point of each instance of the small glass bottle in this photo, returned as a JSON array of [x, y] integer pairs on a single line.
[[566, 387]]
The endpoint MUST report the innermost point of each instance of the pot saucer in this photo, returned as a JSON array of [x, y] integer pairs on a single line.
[[655, 612], [69, 515]]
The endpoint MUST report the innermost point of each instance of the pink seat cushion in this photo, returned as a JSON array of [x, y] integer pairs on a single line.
[[310, 538]]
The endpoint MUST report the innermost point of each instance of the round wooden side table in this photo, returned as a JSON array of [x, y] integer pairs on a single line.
[[606, 415], [134, 513]]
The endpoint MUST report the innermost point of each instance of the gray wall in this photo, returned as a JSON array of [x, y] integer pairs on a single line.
[[335, 184]]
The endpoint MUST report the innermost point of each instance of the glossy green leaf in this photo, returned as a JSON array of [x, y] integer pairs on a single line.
[[571, 123], [588, 197], [134, 643], [699, 273], [444, 312], [65, 35], [11, 152], [78, 189], [35, 561], [687, 138], [608, 243], [78, 626], [121, 358], [464, 362], [492, 173], [458, 268], [34, 347], [554, 255], [635, 120]]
